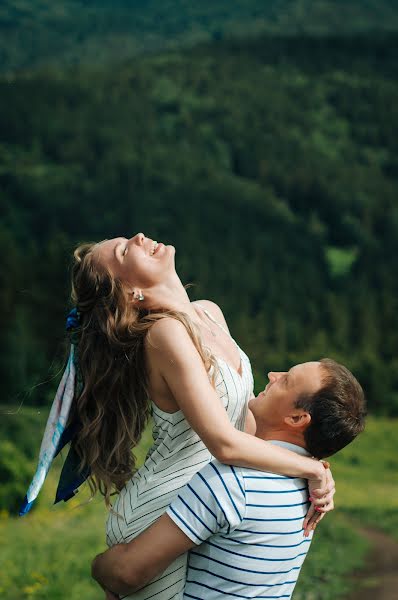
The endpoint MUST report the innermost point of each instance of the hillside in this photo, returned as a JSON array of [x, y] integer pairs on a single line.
[[281, 203], [68, 32]]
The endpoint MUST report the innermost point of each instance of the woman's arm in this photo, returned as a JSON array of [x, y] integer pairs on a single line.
[[171, 349]]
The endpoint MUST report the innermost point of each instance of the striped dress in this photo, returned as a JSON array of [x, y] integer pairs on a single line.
[[176, 455]]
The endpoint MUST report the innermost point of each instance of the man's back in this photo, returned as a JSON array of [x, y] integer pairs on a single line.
[[248, 527]]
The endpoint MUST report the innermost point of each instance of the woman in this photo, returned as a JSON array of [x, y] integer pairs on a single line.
[[141, 338]]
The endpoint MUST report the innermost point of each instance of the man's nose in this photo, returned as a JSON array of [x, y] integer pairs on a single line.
[[273, 376]]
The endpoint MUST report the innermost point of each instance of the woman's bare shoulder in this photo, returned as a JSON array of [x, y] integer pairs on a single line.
[[170, 348], [165, 331], [214, 310]]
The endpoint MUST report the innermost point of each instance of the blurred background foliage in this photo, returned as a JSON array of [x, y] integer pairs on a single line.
[[35, 32], [271, 165]]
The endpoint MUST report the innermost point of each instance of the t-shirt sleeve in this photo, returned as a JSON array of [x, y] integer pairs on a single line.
[[212, 502]]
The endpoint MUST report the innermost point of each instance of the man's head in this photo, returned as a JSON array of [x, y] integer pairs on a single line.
[[318, 404]]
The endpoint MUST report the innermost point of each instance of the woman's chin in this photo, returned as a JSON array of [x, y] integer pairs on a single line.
[[171, 251]]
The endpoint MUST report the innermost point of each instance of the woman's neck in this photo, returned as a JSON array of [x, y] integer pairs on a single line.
[[170, 295]]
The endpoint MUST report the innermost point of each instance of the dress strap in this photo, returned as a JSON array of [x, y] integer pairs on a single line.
[[210, 316]]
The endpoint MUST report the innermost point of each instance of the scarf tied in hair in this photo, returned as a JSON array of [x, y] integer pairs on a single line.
[[57, 435]]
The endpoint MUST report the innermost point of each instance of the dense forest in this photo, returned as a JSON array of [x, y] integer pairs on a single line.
[[271, 165], [37, 32]]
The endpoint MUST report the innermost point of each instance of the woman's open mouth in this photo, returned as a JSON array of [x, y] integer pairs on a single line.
[[153, 248], [159, 246]]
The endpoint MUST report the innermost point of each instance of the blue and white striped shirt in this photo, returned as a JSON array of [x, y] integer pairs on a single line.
[[247, 525]]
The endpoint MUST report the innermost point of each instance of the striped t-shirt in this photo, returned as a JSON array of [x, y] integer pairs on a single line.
[[247, 525]]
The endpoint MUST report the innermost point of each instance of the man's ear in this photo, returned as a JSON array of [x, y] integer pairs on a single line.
[[299, 420]]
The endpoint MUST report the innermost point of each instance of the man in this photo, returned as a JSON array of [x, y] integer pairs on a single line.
[[243, 527]]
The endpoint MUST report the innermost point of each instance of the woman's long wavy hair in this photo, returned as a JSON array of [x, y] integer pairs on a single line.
[[112, 404]]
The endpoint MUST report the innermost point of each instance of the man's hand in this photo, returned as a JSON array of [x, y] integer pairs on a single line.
[[108, 594], [106, 569]]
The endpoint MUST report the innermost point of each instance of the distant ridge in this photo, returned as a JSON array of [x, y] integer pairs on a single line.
[[39, 32]]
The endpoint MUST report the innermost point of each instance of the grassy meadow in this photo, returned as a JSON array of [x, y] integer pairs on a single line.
[[47, 554]]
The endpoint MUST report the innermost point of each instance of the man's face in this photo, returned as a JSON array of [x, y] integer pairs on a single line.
[[277, 401]]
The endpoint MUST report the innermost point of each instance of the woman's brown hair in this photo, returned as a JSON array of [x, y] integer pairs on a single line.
[[112, 404]]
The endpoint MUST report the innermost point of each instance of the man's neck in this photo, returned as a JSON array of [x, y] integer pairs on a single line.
[[282, 435]]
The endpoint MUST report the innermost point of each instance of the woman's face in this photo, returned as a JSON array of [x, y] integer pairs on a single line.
[[138, 261]]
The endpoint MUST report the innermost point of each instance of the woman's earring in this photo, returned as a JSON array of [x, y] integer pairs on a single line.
[[138, 296]]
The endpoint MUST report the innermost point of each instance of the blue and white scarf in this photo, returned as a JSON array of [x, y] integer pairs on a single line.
[[57, 435]]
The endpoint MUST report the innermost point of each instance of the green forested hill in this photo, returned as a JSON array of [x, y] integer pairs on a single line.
[[34, 32], [270, 164]]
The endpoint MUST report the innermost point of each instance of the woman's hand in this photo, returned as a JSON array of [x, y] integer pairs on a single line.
[[321, 498]]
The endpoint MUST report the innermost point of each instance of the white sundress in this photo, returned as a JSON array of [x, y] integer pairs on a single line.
[[175, 456]]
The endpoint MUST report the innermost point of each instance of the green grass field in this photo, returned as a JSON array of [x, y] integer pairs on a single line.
[[47, 554]]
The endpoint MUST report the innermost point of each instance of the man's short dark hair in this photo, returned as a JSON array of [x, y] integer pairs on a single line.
[[337, 410]]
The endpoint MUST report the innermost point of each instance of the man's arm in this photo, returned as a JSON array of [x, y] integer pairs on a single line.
[[125, 568]]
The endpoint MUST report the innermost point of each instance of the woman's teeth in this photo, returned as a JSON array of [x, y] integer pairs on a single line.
[[154, 246]]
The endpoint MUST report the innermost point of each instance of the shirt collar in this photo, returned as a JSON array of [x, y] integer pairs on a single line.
[[289, 446]]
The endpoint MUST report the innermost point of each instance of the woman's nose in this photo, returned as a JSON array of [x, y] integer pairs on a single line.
[[139, 238]]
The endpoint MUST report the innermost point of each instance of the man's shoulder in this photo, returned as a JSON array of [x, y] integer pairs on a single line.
[[215, 470], [219, 471], [266, 479], [219, 479]]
